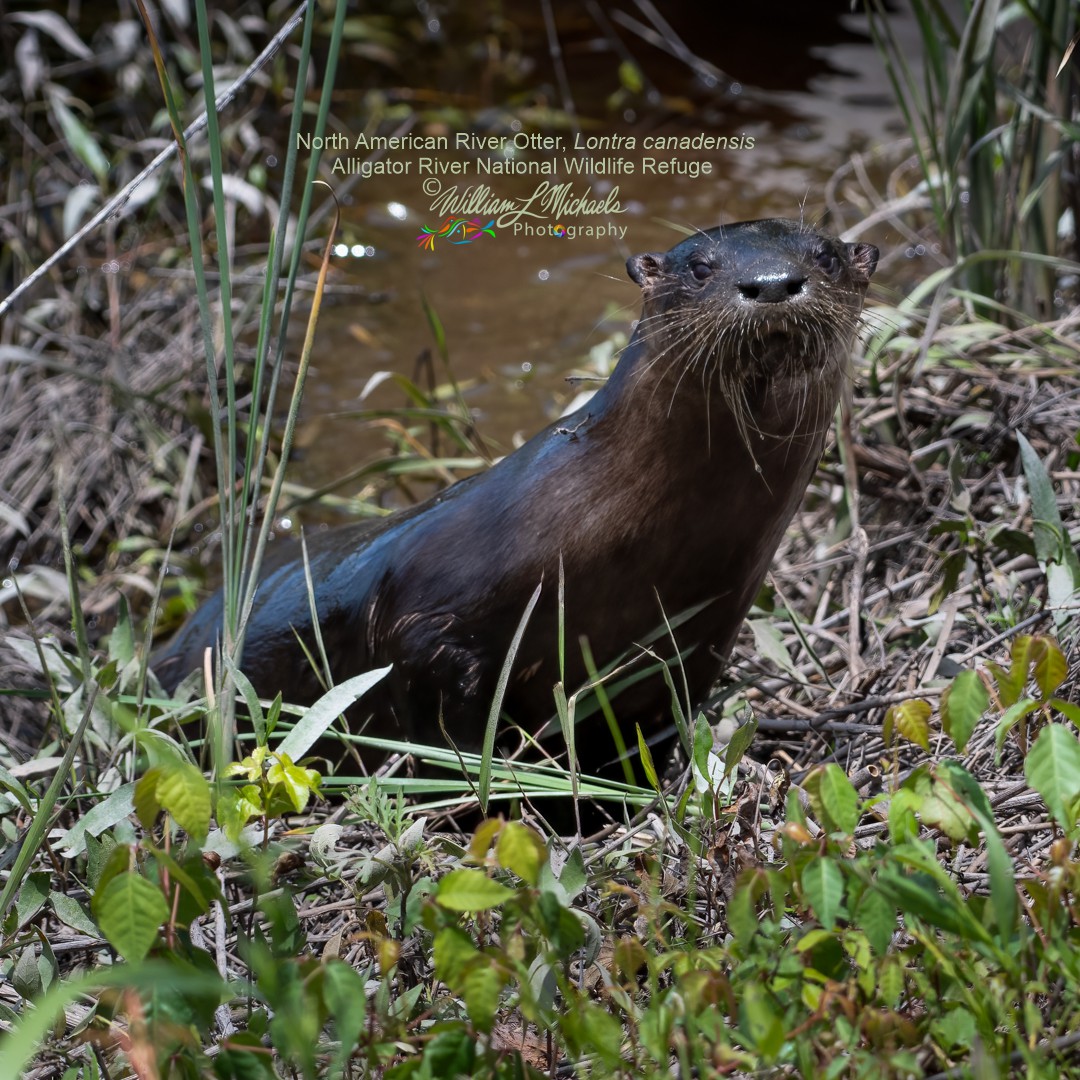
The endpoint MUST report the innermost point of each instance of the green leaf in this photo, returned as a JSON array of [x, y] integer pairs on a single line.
[[647, 761], [481, 991], [26, 975], [122, 639], [184, 793], [943, 808], [16, 787], [1052, 768], [313, 724], [146, 802], [1051, 537], [522, 850], [346, 1001], [129, 911], [912, 720], [451, 1052], [740, 743], [835, 801], [32, 897], [103, 815], [1011, 717], [71, 913], [630, 77], [297, 783], [488, 747], [759, 1023], [454, 953], [591, 1029], [823, 886], [80, 140], [933, 901], [877, 917], [573, 876], [471, 890], [1003, 896], [1068, 709], [742, 916], [962, 704], [1050, 665], [236, 807], [702, 746], [769, 643]]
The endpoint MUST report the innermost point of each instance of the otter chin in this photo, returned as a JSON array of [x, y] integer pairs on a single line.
[[662, 500]]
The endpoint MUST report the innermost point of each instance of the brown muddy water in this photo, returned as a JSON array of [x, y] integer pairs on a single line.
[[795, 92]]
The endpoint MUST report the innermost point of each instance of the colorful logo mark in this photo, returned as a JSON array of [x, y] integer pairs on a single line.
[[559, 230], [456, 230]]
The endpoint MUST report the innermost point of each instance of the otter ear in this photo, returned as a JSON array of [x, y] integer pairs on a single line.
[[645, 269], [864, 259]]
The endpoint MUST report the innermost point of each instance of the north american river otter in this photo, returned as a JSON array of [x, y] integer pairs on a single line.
[[666, 494]]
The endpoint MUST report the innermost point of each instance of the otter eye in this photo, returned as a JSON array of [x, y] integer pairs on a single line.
[[701, 271], [828, 260]]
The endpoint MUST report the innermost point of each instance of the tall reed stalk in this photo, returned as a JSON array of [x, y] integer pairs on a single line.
[[990, 116], [244, 515]]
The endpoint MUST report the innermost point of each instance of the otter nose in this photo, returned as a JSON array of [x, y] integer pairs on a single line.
[[773, 285]]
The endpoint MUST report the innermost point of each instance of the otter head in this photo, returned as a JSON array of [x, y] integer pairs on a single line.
[[761, 305]]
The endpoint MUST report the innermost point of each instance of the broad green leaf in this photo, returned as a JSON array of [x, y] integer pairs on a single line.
[[32, 897], [184, 793], [936, 903], [346, 1001], [522, 850], [104, 815], [759, 1023], [877, 917], [471, 890], [454, 953], [481, 992], [146, 801], [592, 1029], [573, 876], [451, 1052], [912, 720], [298, 783], [769, 643], [71, 913], [964, 701], [26, 974], [1052, 768], [838, 801], [1050, 665], [129, 911], [236, 807], [823, 885], [943, 808]]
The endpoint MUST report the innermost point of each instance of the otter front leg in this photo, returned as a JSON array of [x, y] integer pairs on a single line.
[[442, 681]]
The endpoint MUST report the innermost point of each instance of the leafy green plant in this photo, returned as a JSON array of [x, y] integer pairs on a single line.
[[991, 137]]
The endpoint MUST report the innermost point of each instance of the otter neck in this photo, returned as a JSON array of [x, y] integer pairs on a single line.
[[682, 397]]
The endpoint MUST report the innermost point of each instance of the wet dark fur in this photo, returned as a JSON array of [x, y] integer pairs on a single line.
[[669, 490]]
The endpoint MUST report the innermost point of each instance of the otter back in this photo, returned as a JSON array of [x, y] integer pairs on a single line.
[[666, 495]]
